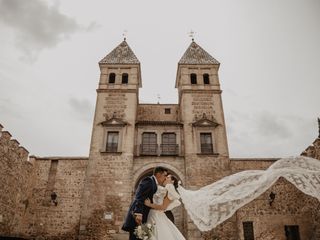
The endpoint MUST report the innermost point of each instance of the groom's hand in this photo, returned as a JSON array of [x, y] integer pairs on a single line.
[[138, 218]]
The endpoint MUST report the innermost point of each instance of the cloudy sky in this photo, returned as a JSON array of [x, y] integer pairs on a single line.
[[269, 53]]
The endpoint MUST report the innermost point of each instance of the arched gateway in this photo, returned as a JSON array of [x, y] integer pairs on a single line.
[[147, 170]]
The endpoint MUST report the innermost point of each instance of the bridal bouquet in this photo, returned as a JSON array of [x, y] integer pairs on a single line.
[[144, 231]]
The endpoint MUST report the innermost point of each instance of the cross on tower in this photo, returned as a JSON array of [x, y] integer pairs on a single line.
[[124, 34], [191, 34]]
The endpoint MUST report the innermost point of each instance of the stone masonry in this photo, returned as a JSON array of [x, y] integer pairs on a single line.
[[15, 177]]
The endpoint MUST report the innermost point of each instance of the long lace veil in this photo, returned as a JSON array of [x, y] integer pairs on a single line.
[[213, 204]]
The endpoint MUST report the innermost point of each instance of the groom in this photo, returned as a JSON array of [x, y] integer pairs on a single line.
[[138, 212]]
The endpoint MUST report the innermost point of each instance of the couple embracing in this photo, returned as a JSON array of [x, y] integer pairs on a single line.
[[154, 195]]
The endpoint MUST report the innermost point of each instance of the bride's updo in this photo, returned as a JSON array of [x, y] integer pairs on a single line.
[[175, 181]]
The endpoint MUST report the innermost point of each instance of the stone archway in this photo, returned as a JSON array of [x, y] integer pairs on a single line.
[[147, 170], [149, 167], [142, 176]]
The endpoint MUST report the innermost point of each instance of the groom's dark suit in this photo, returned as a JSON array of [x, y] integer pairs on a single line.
[[146, 188]]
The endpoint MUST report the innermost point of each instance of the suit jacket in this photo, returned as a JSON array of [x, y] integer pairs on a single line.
[[169, 215], [146, 189]]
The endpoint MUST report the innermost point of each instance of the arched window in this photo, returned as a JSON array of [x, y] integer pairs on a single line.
[[193, 78], [112, 78], [125, 78], [206, 78]]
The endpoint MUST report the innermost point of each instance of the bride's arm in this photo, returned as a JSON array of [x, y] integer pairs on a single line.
[[166, 202], [172, 193]]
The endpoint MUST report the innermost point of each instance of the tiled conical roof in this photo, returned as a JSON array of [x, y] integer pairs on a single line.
[[197, 55], [122, 54]]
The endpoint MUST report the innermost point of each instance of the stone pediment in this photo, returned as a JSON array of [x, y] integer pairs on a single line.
[[204, 122], [114, 122]]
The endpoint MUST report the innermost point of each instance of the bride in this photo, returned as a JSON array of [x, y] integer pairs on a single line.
[[166, 198]]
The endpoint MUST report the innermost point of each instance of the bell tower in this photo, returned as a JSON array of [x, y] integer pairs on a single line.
[[201, 112], [200, 100], [107, 190]]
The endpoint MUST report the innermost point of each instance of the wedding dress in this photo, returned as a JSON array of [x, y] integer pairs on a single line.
[[164, 229]]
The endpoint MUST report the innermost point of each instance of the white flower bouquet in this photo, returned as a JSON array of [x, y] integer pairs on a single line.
[[144, 231]]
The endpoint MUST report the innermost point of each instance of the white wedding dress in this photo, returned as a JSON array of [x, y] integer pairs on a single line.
[[164, 229]]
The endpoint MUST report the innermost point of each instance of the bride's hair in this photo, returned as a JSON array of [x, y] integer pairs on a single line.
[[175, 181]]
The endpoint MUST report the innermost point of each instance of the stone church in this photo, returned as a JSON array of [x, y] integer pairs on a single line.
[[88, 197]]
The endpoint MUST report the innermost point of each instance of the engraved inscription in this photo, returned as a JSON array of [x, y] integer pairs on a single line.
[[115, 105], [202, 103]]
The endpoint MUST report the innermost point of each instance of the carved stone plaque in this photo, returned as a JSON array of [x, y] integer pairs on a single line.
[[202, 103], [115, 105]]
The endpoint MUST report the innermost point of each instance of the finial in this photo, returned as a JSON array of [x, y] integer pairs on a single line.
[[158, 98], [319, 126], [124, 34], [191, 34]]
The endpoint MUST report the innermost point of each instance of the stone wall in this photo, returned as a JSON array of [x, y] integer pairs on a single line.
[[15, 175], [57, 219], [313, 150], [26, 185], [243, 164], [109, 190], [290, 207], [27, 209]]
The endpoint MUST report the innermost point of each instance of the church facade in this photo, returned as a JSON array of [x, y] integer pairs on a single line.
[[88, 197]]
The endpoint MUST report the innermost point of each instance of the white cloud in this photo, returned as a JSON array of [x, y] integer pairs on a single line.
[[36, 24]]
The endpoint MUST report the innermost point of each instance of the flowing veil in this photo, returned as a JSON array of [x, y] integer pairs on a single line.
[[213, 204]]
